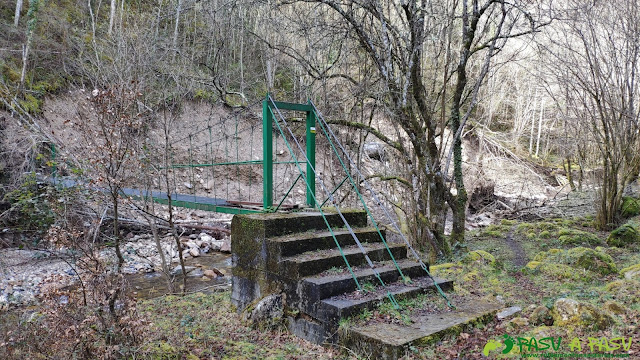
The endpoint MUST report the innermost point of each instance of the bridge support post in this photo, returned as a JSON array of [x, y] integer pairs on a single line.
[[311, 156], [267, 155]]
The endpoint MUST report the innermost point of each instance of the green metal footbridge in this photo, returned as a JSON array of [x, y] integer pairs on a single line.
[[240, 163]]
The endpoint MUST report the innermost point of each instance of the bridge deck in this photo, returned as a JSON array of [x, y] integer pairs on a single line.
[[180, 200]]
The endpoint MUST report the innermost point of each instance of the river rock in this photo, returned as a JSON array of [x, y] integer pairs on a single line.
[[541, 316], [210, 274], [614, 307], [268, 312], [216, 245], [508, 313], [226, 246], [178, 270], [571, 312], [194, 252], [196, 273], [206, 237]]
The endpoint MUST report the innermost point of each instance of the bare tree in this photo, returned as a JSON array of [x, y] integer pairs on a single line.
[[110, 143], [409, 46], [595, 56]]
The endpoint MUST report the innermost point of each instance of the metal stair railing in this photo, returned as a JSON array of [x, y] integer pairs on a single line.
[[329, 134], [278, 117]]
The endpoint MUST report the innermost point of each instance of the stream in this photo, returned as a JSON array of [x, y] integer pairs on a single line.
[[154, 284]]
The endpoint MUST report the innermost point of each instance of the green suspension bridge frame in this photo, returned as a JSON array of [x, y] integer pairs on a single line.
[[267, 148]]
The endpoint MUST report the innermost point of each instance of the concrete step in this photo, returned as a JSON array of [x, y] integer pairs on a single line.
[[278, 224], [321, 320], [324, 286], [379, 340], [293, 244], [315, 262], [345, 305]]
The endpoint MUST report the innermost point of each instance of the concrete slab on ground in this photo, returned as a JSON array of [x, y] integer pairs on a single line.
[[391, 341]]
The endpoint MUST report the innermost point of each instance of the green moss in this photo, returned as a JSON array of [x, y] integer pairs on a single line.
[[546, 225], [524, 227], [546, 234], [532, 265], [492, 231], [10, 74], [615, 307], [562, 264], [631, 272], [440, 267], [624, 291], [592, 260], [31, 104], [630, 207], [562, 272], [623, 236], [479, 255], [472, 276], [541, 256], [204, 95], [577, 237]]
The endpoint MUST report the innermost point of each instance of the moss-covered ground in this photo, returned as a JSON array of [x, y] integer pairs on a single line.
[[563, 258], [205, 326]]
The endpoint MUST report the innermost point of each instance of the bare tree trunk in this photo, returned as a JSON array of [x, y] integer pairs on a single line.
[[93, 31], [112, 16], [150, 208], [166, 155], [570, 175], [540, 127], [25, 56], [16, 18], [177, 27], [533, 125], [163, 260], [116, 228]]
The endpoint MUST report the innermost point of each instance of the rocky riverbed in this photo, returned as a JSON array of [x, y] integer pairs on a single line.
[[26, 273]]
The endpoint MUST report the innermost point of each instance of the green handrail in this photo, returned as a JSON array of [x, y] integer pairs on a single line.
[[379, 203], [376, 274], [366, 208]]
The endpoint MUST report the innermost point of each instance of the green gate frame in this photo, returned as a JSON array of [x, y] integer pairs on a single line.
[[267, 148]]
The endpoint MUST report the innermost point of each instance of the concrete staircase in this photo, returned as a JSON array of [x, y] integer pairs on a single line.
[[294, 255]]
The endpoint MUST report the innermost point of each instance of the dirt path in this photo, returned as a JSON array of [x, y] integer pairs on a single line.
[[520, 258]]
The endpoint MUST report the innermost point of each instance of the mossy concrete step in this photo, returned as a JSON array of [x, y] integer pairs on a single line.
[[294, 244], [278, 224], [391, 341], [319, 322], [316, 288], [316, 262], [256, 260], [343, 306]]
